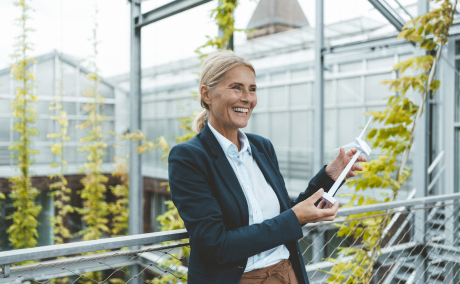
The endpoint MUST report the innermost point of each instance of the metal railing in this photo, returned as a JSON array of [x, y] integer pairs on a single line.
[[421, 245]]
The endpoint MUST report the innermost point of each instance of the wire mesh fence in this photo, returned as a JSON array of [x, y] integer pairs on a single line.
[[417, 243], [410, 245], [155, 264]]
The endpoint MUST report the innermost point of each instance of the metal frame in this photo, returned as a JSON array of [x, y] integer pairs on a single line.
[[20, 255], [132, 258]]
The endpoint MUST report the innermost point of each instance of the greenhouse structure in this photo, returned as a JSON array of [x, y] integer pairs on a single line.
[[314, 86]]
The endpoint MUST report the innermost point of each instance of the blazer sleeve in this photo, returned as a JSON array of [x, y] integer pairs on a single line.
[[203, 218], [320, 180]]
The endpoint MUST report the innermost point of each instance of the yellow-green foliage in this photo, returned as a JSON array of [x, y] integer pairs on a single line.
[[394, 138], [225, 20], [60, 191], [95, 209], [23, 232], [170, 220], [119, 209]]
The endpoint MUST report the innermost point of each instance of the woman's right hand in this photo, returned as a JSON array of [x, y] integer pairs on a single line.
[[307, 212]]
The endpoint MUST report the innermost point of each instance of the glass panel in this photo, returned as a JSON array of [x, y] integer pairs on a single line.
[[261, 78], [44, 126], [70, 108], [276, 77], [301, 129], [374, 90], [70, 155], [277, 97], [45, 78], [301, 94], [349, 123], [107, 109], [82, 111], [4, 160], [260, 123], [457, 93], [45, 156], [328, 93], [279, 129], [106, 91], [5, 107], [350, 67], [330, 130], [160, 108], [299, 74], [42, 107], [457, 47], [70, 80], [5, 129], [380, 63], [349, 90], [457, 160], [262, 98], [5, 84], [107, 126], [83, 82]]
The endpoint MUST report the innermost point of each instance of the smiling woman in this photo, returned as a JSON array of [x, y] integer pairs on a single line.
[[228, 189]]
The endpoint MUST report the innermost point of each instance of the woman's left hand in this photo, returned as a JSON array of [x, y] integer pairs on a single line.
[[335, 168]]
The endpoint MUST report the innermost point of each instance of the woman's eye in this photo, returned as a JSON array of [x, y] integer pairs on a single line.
[[252, 90], [237, 88]]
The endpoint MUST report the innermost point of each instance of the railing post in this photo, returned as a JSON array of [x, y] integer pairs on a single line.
[[318, 119], [135, 176], [6, 270]]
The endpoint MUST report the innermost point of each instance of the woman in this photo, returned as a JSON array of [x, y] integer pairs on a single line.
[[229, 191]]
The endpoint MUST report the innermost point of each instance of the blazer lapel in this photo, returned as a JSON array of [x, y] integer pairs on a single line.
[[226, 172], [270, 176]]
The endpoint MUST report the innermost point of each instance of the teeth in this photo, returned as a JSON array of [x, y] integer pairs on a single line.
[[240, 109]]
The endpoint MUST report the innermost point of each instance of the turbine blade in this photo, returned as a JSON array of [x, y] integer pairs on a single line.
[[349, 145], [365, 127]]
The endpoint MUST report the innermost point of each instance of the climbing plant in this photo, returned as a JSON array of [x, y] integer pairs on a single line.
[[23, 231], [224, 18], [395, 139], [119, 209], [95, 209], [59, 189], [170, 220]]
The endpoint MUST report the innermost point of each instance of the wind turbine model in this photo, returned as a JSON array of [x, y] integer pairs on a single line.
[[362, 147]]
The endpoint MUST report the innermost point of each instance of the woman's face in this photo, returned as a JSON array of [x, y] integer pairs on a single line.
[[231, 102]]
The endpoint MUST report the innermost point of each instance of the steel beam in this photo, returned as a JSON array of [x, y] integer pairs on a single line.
[[167, 10], [318, 119], [387, 14], [14, 256], [135, 176]]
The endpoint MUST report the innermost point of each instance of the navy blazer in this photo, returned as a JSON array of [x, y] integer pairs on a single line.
[[212, 204]]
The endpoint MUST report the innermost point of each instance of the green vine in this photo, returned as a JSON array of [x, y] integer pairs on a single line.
[[395, 139], [119, 209], [225, 20], [59, 188], [95, 209], [23, 232]]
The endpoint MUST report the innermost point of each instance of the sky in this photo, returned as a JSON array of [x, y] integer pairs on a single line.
[[67, 25]]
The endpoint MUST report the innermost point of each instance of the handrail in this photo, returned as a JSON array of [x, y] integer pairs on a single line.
[[14, 256]]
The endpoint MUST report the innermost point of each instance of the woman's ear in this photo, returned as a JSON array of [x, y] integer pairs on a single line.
[[205, 94]]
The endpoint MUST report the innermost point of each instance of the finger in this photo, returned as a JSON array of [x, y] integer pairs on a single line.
[[357, 167], [351, 152], [361, 159], [342, 152], [317, 195], [320, 205]]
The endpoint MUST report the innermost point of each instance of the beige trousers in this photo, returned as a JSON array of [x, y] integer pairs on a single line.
[[279, 273]]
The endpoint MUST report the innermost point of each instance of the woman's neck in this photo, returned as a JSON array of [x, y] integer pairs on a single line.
[[229, 133]]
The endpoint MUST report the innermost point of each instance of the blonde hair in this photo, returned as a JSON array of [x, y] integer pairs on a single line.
[[213, 71]]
